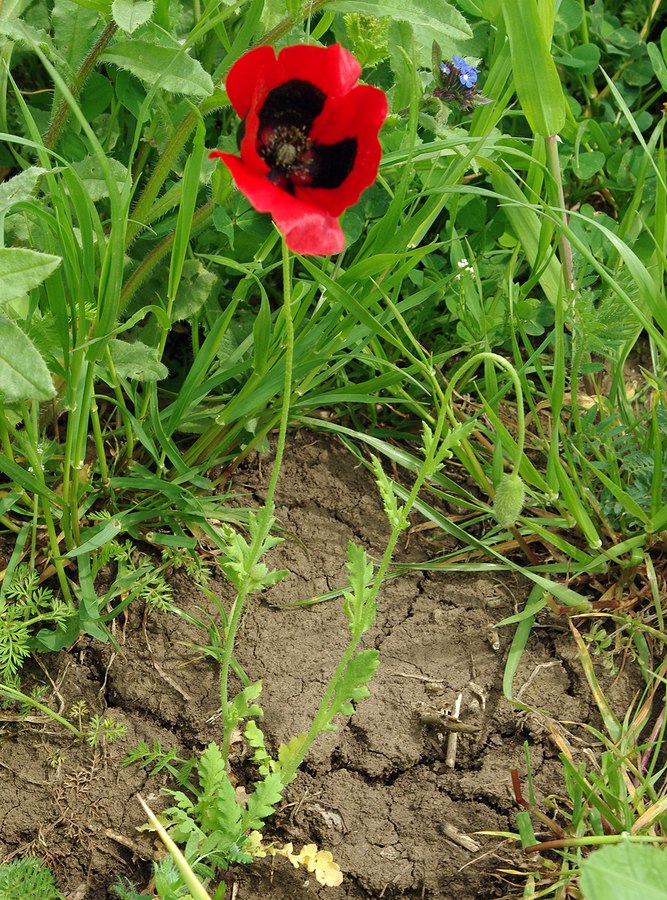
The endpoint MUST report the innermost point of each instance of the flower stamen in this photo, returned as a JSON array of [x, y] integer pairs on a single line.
[[286, 149]]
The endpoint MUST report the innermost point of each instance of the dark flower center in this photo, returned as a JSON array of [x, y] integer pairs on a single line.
[[283, 142]]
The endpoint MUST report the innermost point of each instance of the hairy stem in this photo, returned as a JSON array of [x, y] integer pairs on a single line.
[[62, 112]]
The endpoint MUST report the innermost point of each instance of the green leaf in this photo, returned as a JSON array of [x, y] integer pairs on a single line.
[[169, 67], [19, 188], [217, 807], [658, 63], [23, 372], [261, 802], [352, 684], [211, 768], [94, 538], [129, 15], [624, 872], [137, 361], [290, 756], [536, 79], [93, 179], [102, 6], [585, 59], [73, 30], [441, 17], [358, 605], [193, 291], [21, 270], [261, 333], [242, 706], [588, 164]]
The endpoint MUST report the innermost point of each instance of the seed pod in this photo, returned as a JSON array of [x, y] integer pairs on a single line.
[[508, 502]]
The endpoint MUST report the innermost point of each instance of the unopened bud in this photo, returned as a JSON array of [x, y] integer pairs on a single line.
[[508, 502]]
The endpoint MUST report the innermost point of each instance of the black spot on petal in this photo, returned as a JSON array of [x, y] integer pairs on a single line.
[[333, 163], [294, 104]]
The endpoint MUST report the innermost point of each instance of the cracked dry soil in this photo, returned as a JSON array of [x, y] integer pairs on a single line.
[[378, 792]]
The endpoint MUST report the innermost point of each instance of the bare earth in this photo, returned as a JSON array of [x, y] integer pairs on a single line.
[[378, 792]]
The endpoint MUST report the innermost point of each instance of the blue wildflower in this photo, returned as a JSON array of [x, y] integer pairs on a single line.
[[467, 74], [458, 80]]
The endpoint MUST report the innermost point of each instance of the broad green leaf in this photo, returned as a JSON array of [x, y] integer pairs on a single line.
[[73, 30], [19, 188], [23, 372], [129, 15], [584, 59], [441, 16], [22, 33], [536, 79], [93, 179], [170, 67], [137, 361], [625, 872], [21, 270], [588, 164], [193, 291]]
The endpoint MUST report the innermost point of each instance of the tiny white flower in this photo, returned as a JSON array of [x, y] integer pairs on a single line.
[[462, 263]]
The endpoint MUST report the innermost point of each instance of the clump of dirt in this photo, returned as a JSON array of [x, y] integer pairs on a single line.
[[381, 793]]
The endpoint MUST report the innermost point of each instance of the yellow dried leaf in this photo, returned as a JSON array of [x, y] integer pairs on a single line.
[[327, 872]]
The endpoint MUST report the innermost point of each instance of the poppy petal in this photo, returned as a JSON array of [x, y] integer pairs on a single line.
[[308, 228], [331, 69], [243, 77], [358, 115]]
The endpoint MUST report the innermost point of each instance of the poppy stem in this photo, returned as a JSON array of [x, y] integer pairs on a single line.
[[289, 361]]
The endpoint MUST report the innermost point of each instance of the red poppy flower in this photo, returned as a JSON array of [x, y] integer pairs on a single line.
[[310, 145]]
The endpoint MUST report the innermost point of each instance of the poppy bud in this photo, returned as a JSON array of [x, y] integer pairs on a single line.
[[508, 502]]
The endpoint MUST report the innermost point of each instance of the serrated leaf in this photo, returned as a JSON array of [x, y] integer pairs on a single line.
[[260, 805], [129, 15], [211, 768], [169, 67], [23, 372], [441, 17], [217, 807], [19, 188], [290, 754], [358, 606], [21, 270], [352, 684], [242, 706], [93, 180], [137, 361]]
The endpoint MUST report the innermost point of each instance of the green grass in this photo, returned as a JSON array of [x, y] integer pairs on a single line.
[[496, 329]]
